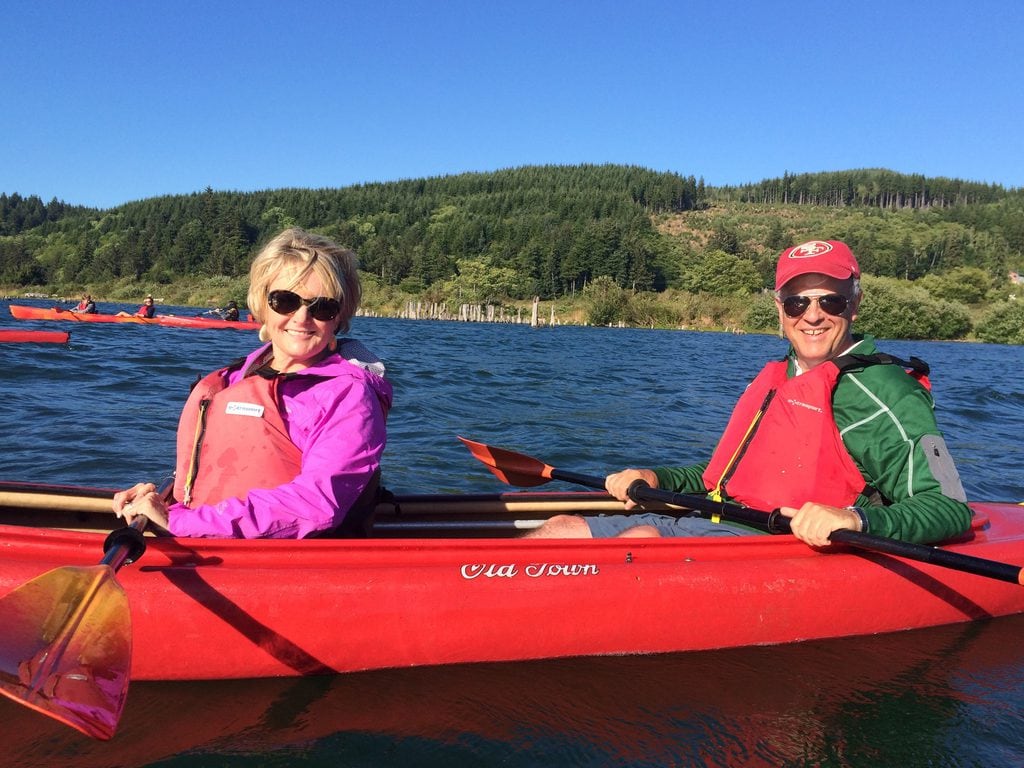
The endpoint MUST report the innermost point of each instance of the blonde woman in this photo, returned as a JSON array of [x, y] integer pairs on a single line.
[[286, 443]]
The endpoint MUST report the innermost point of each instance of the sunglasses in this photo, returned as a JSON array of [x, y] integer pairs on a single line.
[[322, 308], [830, 303]]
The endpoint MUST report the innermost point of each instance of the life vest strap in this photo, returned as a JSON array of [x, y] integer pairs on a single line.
[[916, 367]]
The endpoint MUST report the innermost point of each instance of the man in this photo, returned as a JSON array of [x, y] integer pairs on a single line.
[[835, 435], [148, 308], [231, 312], [146, 311]]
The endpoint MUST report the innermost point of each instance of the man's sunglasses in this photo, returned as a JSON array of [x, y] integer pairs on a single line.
[[322, 308], [831, 303]]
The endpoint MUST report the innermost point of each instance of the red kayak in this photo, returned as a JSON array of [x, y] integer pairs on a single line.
[[22, 312], [445, 580], [39, 337]]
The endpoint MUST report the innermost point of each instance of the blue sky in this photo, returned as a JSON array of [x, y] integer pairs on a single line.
[[104, 102]]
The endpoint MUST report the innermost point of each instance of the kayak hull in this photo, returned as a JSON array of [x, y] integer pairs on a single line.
[[22, 312], [35, 337], [215, 609]]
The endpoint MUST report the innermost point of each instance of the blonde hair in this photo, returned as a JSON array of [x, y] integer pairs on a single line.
[[301, 252]]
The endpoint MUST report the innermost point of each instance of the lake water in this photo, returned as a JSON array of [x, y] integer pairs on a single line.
[[102, 411]]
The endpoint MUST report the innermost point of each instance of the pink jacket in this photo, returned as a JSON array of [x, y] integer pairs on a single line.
[[338, 425]]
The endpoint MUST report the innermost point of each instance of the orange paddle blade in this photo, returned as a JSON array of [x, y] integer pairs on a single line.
[[510, 467], [65, 647]]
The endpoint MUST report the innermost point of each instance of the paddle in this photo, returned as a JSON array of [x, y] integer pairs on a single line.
[[521, 470], [66, 639], [64, 312]]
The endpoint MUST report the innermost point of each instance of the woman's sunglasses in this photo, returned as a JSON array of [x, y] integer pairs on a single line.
[[322, 308], [831, 303]]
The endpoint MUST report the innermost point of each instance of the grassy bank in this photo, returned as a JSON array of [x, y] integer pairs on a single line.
[[891, 309]]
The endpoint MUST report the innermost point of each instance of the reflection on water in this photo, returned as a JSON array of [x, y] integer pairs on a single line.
[[103, 410], [948, 696]]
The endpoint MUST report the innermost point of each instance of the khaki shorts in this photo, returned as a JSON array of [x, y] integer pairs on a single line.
[[606, 526]]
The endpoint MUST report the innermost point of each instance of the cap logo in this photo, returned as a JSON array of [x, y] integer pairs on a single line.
[[810, 249]]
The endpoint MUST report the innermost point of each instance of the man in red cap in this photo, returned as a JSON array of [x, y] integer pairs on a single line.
[[836, 435], [824, 274]]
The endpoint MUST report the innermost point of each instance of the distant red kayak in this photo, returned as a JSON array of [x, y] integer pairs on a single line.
[[39, 337], [174, 321]]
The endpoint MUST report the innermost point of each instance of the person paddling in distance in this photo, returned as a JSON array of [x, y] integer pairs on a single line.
[[286, 443], [86, 306], [836, 435], [230, 312]]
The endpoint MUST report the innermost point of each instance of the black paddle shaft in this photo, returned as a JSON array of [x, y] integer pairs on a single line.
[[776, 522], [126, 544]]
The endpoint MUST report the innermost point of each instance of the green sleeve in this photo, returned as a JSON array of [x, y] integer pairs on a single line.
[[888, 425], [682, 479]]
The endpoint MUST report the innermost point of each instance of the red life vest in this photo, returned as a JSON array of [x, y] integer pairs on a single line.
[[781, 446], [232, 439]]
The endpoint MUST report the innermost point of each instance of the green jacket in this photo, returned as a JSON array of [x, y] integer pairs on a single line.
[[887, 422]]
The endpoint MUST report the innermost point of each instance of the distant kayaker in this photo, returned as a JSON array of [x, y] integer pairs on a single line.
[[147, 310], [230, 312], [287, 442], [835, 435], [86, 306]]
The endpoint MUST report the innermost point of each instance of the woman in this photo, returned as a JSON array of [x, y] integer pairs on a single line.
[[86, 306], [286, 443]]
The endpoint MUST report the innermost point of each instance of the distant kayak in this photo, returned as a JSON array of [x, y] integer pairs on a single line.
[[39, 337], [174, 321]]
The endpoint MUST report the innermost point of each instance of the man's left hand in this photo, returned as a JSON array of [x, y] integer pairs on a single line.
[[813, 523]]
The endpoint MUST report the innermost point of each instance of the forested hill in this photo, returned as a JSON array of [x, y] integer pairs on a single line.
[[544, 230], [877, 188]]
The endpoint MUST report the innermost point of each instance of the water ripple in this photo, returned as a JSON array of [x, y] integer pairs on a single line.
[[103, 409]]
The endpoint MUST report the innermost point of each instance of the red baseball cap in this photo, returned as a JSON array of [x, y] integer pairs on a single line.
[[825, 257]]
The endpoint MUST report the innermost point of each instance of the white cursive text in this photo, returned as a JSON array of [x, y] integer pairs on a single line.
[[533, 570]]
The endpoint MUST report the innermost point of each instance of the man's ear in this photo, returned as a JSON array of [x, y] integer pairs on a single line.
[[855, 306]]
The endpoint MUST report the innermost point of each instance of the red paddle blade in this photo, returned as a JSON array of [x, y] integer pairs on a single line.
[[65, 647], [510, 467]]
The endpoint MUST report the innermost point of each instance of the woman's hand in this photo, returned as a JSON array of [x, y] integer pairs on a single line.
[[141, 499], [618, 483], [813, 523]]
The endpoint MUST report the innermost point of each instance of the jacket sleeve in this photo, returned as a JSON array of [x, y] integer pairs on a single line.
[[341, 433], [682, 479], [902, 454]]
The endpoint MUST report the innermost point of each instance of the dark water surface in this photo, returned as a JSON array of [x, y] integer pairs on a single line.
[[102, 411]]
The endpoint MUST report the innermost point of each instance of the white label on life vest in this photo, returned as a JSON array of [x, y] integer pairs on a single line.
[[244, 409]]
